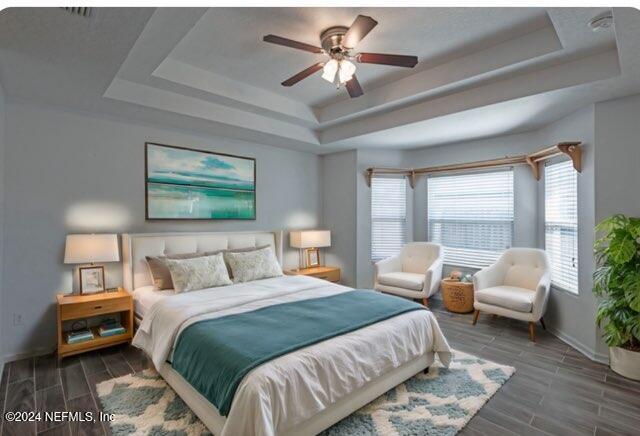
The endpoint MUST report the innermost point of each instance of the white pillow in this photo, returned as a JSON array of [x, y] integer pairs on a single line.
[[253, 265], [198, 273]]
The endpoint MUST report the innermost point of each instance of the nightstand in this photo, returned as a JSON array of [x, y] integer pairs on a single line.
[[330, 273], [79, 307]]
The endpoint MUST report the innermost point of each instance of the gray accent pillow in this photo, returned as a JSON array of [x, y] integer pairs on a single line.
[[198, 273], [160, 273], [253, 265]]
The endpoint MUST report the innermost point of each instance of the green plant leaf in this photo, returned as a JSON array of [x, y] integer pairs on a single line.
[[623, 250], [601, 279], [631, 286], [617, 279], [635, 328], [634, 227], [613, 222]]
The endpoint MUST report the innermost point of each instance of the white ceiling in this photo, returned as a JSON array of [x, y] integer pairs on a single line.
[[481, 71], [400, 30]]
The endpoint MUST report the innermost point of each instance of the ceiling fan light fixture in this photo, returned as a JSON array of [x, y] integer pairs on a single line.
[[347, 70], [338, 46], [329, 70]]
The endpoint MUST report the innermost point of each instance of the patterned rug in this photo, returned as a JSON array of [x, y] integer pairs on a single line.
[[438, 403]]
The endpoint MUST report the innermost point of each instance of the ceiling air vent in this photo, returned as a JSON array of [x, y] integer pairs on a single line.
[[83, 12]]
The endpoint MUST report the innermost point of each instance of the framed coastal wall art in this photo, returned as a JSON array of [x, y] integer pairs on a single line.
[[186, 184]]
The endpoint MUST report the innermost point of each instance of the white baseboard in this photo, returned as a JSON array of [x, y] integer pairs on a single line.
[[587, 351], [43, 351]]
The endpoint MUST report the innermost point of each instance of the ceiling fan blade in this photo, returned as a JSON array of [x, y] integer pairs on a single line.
[[387, 59], [354, 88], [361, 26], [273, 39], [303, 74]]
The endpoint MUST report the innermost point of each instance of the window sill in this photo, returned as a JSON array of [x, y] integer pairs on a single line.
[[565, 291]]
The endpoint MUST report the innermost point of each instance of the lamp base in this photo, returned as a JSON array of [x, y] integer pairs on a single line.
[[310, 259]]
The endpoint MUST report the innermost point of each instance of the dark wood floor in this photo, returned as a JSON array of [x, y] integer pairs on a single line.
[[555, 390]]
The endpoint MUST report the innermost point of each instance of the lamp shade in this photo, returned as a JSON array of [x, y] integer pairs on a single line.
[[310, 238], [91, 249]]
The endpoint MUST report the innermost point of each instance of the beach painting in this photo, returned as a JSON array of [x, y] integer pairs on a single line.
[[188, 184]]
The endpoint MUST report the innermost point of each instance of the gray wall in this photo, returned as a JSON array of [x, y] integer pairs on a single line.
[[617, 175], [617, 134], [571, 316], [366, 159], [2, 209], [339, 211], [67, 172]]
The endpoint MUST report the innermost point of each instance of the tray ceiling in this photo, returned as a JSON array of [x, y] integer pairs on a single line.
[[481, 71]]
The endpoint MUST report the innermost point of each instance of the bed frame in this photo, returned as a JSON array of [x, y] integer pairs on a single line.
[[136, 274]]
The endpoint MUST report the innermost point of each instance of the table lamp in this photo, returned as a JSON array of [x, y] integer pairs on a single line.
[[310, 241], [88, 250]]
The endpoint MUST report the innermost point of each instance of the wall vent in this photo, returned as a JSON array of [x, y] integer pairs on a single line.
[[83, 12]]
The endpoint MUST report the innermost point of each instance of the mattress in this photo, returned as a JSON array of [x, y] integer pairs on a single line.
[[145, 297]]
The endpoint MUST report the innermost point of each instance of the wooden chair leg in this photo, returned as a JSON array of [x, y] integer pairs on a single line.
[[544, 327], [425, 302], [475, 317], [532, 331]]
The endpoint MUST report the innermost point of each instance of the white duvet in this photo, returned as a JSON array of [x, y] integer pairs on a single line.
[[290, 389]]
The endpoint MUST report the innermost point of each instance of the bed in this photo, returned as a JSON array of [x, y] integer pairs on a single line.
[[301, 392]]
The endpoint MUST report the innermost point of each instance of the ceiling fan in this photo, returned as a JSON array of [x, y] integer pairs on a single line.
[[338, 43]]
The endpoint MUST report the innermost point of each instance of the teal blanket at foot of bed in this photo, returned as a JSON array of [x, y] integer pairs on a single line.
[[214, 355]]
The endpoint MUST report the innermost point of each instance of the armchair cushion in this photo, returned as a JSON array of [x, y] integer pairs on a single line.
[[509, 297], [405, 280]]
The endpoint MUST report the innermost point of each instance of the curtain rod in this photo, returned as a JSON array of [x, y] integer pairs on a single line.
[[571, 149]]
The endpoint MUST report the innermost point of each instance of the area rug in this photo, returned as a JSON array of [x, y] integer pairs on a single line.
[[438, 403]]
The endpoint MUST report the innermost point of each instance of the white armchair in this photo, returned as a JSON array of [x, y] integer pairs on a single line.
[[414, 273], [516, 286]]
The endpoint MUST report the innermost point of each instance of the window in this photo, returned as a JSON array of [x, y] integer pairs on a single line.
[[561, 224], [471, 215], [388, 216]]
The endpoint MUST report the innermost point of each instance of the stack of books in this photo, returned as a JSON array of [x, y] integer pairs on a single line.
[[79, 336], [111, 328]]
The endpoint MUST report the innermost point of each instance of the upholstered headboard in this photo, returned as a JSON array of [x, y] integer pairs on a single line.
[[136, 246]]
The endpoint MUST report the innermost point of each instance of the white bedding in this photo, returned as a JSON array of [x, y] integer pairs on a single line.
[[286, 391], [145, 297]]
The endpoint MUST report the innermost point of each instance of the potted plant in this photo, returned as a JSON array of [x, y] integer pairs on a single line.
[[617, 282]]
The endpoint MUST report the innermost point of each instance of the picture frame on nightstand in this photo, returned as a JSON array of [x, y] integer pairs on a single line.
[[91, 280], [313, 257]]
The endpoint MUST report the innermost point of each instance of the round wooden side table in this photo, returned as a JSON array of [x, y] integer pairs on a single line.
[[457, 296]]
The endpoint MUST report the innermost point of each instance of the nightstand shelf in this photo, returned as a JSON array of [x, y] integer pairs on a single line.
[[78, 307], [329, 273]]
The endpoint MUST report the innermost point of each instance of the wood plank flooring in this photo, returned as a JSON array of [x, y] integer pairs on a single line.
[[555, 390]]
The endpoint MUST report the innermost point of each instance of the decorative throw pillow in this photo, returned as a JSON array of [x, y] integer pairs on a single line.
[[236, 250], [253, 265], [198, 273], [160, 272]]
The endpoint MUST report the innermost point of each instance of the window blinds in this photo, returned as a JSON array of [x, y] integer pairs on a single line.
[[561, 224], [388, 216], [471, 215]]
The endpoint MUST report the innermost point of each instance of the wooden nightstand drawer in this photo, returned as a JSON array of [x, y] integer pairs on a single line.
[[329, 273], [332, 276], [94, 308]]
